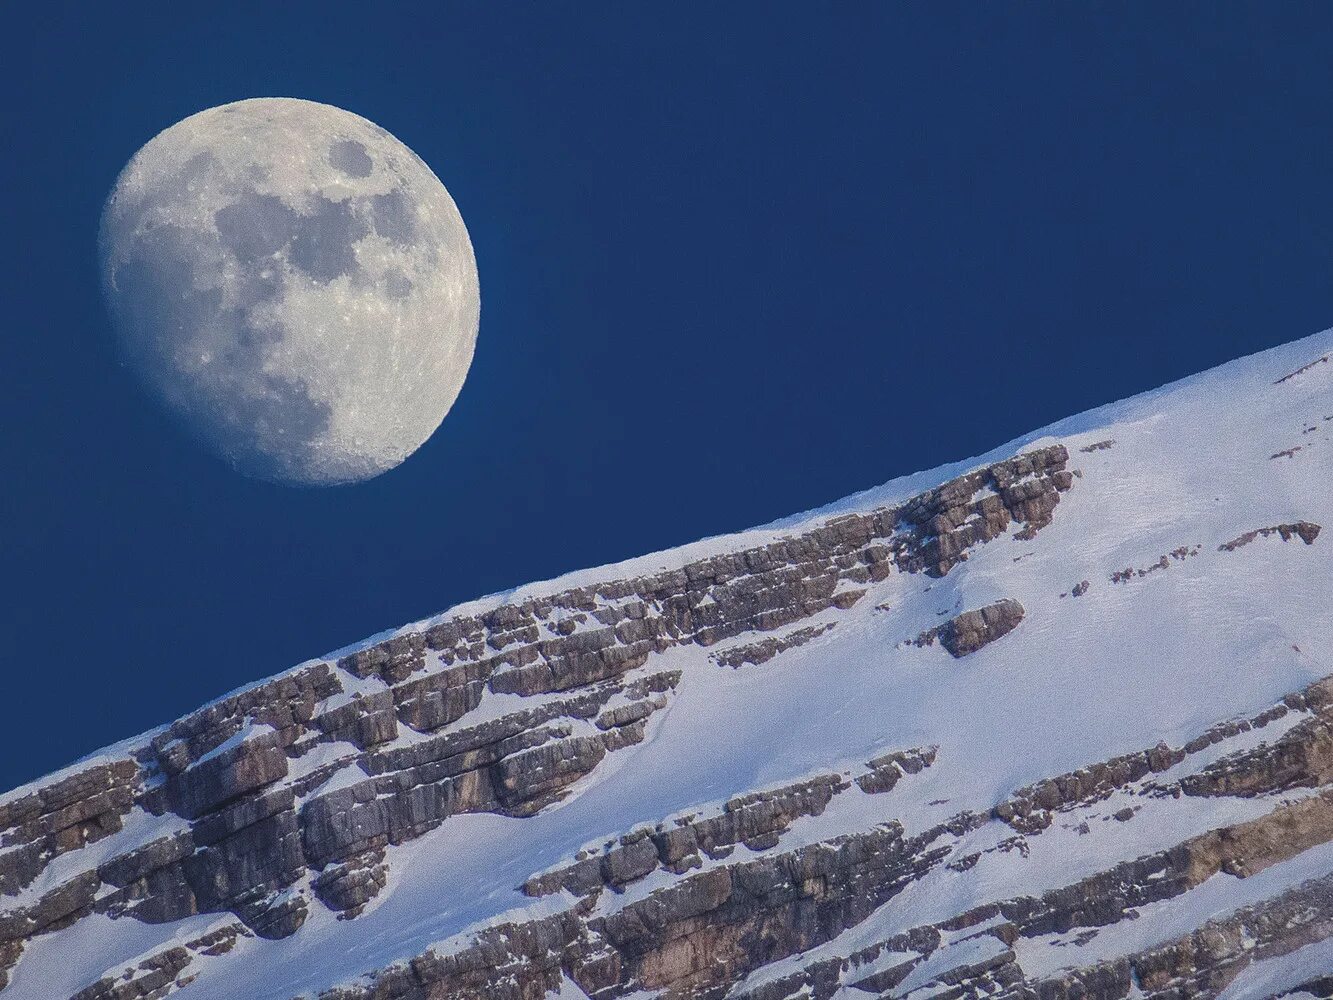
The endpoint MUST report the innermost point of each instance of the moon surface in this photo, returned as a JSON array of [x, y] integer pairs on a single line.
[[295, 285]]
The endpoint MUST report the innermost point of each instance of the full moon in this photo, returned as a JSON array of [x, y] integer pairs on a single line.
[[295, 285]]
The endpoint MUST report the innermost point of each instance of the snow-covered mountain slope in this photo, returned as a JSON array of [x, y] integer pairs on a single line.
[[1057, 722]]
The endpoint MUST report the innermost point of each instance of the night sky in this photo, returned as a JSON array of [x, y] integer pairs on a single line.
[[736, 261]]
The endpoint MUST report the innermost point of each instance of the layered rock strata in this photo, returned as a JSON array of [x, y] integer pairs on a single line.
[[285, 796], [707, 934], [292, 800]]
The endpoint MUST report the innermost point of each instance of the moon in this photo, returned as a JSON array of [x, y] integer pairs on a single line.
[[295, 285]]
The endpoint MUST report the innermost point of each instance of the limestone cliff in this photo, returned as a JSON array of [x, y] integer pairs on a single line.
[[1054, 724]]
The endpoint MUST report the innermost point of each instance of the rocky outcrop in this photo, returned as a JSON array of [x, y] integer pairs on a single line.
[[1303, 369], [766, 649], [1178, 554], [166, 971], [1304, 530], [972, 630], [756, 820], [347, 887], [1097, 446], [1301, 757], [884, 772], [1204, 962], [63, 816]]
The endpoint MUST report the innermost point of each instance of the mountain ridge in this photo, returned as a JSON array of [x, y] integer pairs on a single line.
[[510, 735]]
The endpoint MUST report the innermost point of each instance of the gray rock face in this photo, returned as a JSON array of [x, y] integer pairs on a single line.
[[970, 631], [757, 821], [766, 649]]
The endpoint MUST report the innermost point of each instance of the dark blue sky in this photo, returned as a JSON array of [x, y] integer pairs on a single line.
[[736, 261]]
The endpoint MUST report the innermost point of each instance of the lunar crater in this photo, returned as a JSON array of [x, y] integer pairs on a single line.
[[351, 158]]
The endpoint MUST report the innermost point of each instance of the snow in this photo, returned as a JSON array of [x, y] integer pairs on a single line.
[[97, 946], [140, 827], [568, 991], [322, 755], [246, 732], [1162, 657], [1271, 976], [947, 958]]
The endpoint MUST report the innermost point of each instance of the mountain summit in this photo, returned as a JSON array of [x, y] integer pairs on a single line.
[[1053, 723]]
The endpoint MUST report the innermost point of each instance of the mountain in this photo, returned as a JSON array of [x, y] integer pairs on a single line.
[[1053, 723]]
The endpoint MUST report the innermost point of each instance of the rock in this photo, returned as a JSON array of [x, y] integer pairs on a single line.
[[766, 649], [885, 771], [64, 816], [1306, 531], [758, 820], [215, 780], [972, 630]]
